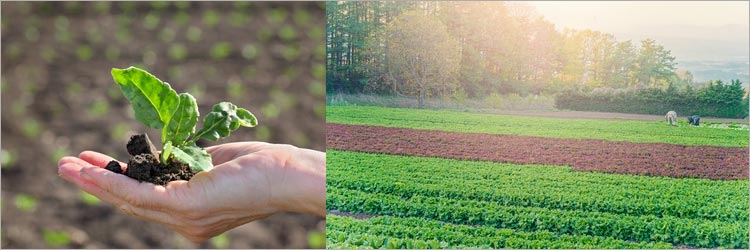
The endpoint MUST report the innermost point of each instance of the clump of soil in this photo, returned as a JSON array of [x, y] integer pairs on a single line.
[[144, 164]]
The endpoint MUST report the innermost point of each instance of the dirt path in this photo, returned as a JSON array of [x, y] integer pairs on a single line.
[[651, 159], [606, 115]]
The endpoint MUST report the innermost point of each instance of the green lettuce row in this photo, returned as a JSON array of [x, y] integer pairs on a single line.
[[690, 232], [541, 196], [532, 198], [480, 236], [600, 129], [539, 186], [437, 170]]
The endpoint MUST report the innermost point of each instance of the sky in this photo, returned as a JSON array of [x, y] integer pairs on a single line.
[[693, 30]]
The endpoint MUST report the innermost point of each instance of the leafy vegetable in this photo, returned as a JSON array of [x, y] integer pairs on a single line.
[[159, 106]]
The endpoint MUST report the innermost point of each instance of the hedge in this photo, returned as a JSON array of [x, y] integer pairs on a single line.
[[715, 100]]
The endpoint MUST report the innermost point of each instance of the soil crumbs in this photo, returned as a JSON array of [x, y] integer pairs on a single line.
[[144, 164]]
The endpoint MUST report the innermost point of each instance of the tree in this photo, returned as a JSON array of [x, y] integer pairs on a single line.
[[419, 54], [656, 65], [623, 64], [684, 78]]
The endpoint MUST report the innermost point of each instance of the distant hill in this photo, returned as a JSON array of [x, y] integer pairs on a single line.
[[713, 70]]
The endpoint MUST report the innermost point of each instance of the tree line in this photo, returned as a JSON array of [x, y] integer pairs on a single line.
[[474, 49]]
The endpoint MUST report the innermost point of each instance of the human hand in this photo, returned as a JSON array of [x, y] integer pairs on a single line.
[[250, 181]]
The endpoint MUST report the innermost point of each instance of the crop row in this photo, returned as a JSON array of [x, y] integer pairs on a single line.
[[610, 130], [445, 235], [538, 186], [553, 199], [690, 232], [651, 159]]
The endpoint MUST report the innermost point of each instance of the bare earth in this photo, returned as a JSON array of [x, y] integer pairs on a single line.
[[650, 159]]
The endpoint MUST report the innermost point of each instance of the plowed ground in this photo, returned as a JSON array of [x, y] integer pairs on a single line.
[[650, 159]]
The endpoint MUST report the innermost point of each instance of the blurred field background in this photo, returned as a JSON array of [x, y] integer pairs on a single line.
[[58, 98]]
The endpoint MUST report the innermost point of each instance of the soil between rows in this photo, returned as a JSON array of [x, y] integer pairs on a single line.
[[650, 159]]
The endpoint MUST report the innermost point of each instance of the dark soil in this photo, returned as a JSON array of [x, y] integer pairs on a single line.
[[141, 144], [144, 164], [650, 159], [359, 216]]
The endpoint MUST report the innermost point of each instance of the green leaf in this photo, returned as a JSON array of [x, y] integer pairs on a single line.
[[196, 157], [215, 126], [153, 101], [247, 119], [183, 121], [224, 118]]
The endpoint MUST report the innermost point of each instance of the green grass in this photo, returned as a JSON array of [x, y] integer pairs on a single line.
[[611, 130]]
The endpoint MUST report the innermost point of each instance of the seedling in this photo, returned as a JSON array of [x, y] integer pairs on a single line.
[[221, 241], [159, 106], [25, 202], [88, 198], [55, 238]]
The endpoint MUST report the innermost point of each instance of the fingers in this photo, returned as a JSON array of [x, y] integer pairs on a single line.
[[71, 170], [97, 159], [138, 194]]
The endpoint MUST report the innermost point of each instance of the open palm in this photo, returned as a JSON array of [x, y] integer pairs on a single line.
[[250, 181]]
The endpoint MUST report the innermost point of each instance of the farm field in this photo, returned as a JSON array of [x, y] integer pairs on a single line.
[[414, 181], [610, 130]]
